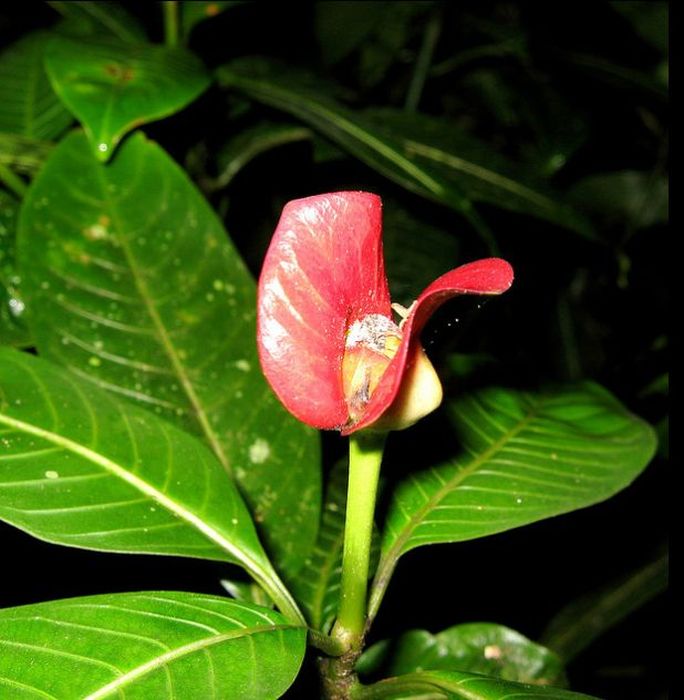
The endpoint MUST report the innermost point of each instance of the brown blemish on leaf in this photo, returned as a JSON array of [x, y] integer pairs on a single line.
[[212, 10], [119, 72]]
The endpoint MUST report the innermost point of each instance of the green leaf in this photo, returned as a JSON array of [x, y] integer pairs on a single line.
[[341, 27], [106, 18], [455, 685], [525, 457], [23, 154], [581, 622], [111, 86], [147, 645], [403, 148], [482, 173], [78, 467], [28, 104], [486, 648], [13, 330], [133, 284], [286, 89]]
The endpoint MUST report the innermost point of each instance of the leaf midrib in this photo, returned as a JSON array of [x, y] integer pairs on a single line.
[[150, 491], [388, 562], [160, 328], [480, 172]]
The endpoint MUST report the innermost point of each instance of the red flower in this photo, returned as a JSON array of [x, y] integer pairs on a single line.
[[327, 342]]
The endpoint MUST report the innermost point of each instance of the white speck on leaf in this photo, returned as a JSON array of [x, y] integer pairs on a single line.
[[51, 474], [492, 651], [259, 451]]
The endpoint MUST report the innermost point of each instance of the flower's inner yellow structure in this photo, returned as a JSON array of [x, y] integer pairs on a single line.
[[370, 345]]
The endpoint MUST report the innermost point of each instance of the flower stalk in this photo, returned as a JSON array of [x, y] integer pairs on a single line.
[[365, 457]]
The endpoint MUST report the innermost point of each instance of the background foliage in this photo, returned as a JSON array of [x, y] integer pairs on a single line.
[[536, 131]]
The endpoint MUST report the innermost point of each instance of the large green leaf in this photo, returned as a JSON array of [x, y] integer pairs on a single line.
[[525, 457], [424, 155], [454, 685], [28, 104], [13, 330], [480, 647], [158, 645], [81, 468], [113, 86], [133, 283]]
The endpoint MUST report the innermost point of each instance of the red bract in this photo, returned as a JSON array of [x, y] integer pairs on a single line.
[[327, 341]]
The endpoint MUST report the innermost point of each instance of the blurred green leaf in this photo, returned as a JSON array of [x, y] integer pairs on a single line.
[[192, 12], [525, 457], [474, 167], [409, 149], [133, 284], [388, 40], [649, 19], [148, 645], [342, 26], [416, 253], [28, 104], [80, 468], [286, 89], [480, 647], [637, 198], [112, 86], [23, 154], [250, 143], [455, 685], [13, 330], [577, 625], [105, 18], [620, 77]]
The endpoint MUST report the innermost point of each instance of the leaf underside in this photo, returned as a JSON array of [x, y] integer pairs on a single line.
[[525, 457], [147, 645]]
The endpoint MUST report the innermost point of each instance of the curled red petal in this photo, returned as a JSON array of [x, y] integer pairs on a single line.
[[323, 270], [487, 277]]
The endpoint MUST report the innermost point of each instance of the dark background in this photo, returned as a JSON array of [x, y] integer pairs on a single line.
[[577, 310]]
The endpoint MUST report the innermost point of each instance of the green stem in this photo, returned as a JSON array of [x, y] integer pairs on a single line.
[[279, 594], [12, 181], [171, 27], [427, 50], [365, 457]]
